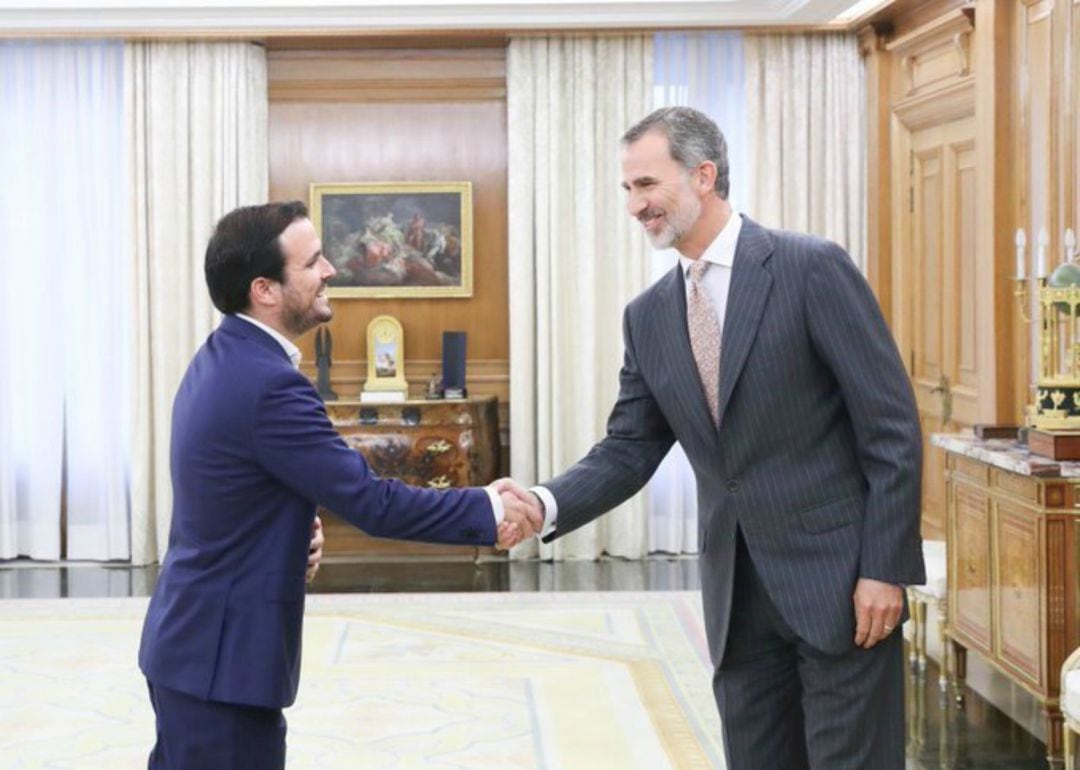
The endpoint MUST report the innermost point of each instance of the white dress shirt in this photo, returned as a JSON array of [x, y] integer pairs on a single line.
[[717, 281], [290, 349], [294, 355]]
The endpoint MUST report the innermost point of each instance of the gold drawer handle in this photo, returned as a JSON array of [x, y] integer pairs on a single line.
[[439, 482], [442, 446]]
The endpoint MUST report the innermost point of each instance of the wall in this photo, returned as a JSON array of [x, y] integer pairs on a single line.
[[1022, 56], [1043, 68], [403, 114]]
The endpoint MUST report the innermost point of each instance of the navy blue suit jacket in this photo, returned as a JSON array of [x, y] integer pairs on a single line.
[[253, 453]]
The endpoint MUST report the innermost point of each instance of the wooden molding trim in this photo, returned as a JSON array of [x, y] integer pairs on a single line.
[[949, 103], [929, 35], [1037, 10], [421, 90], [418, 370], [935, 53], [873, 37]]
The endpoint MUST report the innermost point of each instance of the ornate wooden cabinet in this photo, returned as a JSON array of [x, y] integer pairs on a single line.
[[1012, 544], [437, 444]]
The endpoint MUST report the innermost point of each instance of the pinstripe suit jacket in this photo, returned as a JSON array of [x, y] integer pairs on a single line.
[[817, 458]]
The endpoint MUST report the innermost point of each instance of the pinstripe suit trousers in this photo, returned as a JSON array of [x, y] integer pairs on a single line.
[[784, 704]]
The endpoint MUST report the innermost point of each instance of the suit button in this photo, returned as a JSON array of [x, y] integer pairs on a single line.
[[733, 486], [470, 533]]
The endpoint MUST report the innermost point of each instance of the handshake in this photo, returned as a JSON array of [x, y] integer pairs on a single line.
[[523, 513]]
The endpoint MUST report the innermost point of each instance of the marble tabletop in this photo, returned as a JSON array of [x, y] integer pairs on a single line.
[[1006, 454]]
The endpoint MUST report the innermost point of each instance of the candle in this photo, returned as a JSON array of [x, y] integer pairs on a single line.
[[1044, 241], [1070, 245], [1021, 241]]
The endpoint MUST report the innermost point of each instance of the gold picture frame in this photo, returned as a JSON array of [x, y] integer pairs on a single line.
[[396, 239]]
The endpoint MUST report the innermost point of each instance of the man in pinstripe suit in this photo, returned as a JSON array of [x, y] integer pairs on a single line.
[[773, 367]]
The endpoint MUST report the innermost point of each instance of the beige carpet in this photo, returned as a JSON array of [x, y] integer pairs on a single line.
[[567, 681]]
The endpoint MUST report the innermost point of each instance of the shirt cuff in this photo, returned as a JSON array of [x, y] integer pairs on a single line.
[[551, 510], [496, 506]]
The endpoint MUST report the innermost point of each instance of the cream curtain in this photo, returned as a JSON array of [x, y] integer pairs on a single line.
[[63, 300], [703, 70], [575, 259], [806, 117], [197, 118]]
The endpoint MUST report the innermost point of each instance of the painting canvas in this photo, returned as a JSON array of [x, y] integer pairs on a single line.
[[386, 359], [401, 239]]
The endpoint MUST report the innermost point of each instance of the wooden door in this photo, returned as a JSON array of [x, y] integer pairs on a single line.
[[936, 299]]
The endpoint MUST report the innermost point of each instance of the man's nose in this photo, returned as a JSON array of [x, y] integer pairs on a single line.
[[328, 269], [635, 204]]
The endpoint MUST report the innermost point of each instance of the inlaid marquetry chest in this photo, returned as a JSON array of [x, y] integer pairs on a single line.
[[1012, 539], [436, 444]]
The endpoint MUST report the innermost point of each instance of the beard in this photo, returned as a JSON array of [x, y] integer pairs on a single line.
[[299, 318], [677, 223]]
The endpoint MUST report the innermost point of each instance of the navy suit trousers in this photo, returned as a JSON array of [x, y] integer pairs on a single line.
[[195, 734]]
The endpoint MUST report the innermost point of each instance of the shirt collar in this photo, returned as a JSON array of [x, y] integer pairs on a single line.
[[722, 250], [290, 349]]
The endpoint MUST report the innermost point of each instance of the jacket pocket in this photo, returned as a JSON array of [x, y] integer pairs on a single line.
[[285, 586], [831, 515]]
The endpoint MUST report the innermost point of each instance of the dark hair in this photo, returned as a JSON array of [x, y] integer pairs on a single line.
[[692, 137], [244, 247]]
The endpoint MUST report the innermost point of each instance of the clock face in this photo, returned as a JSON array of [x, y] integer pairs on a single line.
[[384, 333]]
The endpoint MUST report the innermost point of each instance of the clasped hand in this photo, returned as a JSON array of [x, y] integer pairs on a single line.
[[523, 514]]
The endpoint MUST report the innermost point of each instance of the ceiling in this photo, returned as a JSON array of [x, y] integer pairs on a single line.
[[288, 17]]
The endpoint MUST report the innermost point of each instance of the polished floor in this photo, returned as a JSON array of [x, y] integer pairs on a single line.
[[943, 731]]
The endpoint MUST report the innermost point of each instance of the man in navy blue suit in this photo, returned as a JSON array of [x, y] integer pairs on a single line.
[[253, 454]]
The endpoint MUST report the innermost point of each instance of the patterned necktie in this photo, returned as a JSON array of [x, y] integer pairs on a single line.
[[704, 337]]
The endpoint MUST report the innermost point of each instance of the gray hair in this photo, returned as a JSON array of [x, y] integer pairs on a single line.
[[692, 137]]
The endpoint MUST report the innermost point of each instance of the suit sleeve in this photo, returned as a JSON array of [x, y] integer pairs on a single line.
[[638, 437], [850, 334], [296, 443]]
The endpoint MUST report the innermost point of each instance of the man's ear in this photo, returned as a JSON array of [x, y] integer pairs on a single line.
[[706, 176], [263, 292]]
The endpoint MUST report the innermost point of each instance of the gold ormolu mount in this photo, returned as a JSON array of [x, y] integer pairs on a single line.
[[1057, 390]]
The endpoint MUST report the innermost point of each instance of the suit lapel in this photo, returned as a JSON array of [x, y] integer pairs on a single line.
[[750, 286], [672, 314]]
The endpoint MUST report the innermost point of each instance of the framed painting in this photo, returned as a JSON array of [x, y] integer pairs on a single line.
[[396, 239]]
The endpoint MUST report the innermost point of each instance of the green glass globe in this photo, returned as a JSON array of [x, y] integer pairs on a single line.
[[1066, 276]]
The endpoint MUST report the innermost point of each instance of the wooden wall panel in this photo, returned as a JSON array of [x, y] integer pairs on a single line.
[[878, 171], [403, 115], [1071, 106], [929, 204], [966, 334], [1037, 123], [994, 214]]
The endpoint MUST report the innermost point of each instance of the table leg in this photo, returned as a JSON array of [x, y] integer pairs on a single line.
[[1054, 748]]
